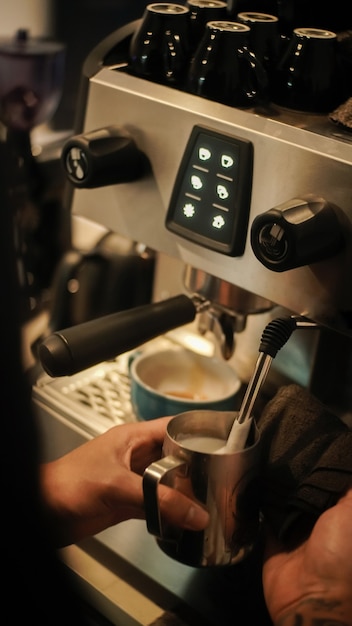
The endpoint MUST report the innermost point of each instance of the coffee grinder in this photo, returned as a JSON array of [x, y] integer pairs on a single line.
[[31, 77]]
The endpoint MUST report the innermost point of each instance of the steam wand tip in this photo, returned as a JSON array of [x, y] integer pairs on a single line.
[[275, 335]]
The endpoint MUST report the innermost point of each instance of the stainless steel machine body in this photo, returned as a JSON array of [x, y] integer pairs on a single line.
[[289, 161]]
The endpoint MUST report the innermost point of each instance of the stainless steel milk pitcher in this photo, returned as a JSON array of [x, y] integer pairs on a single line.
[[225, 483]]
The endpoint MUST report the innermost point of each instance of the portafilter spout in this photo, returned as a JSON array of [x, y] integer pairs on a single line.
[[230, 306]]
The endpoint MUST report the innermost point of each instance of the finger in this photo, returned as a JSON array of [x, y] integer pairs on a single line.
[[175, 508], [181, 511], [155, 428], [146, 443]]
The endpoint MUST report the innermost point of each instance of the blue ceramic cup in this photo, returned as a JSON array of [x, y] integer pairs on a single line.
[[172, 381], [160, 47]]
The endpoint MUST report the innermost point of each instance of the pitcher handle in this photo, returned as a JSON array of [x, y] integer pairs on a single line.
[[152, 477]]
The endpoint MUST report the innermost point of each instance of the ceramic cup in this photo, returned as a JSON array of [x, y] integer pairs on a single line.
[[225, 69], [168, 382], [264, 39], [160, 47], [226, 484], [308, 77], [201, 12]]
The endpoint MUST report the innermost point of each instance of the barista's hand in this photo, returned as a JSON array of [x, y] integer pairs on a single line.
[[313, 583], [99, 483]]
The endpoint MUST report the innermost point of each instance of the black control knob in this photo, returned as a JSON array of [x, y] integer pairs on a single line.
[[299, 232], [106, 156]]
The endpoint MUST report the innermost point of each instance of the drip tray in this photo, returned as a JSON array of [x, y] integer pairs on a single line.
[[99, 397]]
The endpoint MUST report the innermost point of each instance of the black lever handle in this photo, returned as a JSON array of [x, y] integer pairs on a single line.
[[73, 349], [107, 156]]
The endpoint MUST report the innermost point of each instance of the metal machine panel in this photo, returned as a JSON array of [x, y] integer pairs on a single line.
[[310, 157]]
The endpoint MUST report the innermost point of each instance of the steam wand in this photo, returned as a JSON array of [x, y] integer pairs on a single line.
[[274, 337]]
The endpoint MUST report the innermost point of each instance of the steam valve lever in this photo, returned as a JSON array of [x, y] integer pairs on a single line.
[[106, 156]]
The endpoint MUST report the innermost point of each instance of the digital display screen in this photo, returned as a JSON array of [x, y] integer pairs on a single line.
[[211, 197]]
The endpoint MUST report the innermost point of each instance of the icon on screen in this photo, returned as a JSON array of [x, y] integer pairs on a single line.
[[222, 192], [218, 222], [204, 154], [226, 161], [196, 182], [189, 209]]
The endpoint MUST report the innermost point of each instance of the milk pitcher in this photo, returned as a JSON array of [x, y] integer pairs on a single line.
[[225, 483]]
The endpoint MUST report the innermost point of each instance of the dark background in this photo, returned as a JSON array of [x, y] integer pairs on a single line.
[[81, 25]]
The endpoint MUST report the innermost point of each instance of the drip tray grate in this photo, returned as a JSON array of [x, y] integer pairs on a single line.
[[96, 399], [107, 395]]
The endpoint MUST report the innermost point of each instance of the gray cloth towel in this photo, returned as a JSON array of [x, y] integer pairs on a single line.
[[307, 461]]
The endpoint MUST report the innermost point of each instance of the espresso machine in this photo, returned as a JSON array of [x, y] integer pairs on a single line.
[[274, 240]]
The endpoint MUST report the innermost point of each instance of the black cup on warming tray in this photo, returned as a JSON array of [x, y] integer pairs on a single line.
[[202, 12], [224, 68], [160, 47], [309, 76]]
